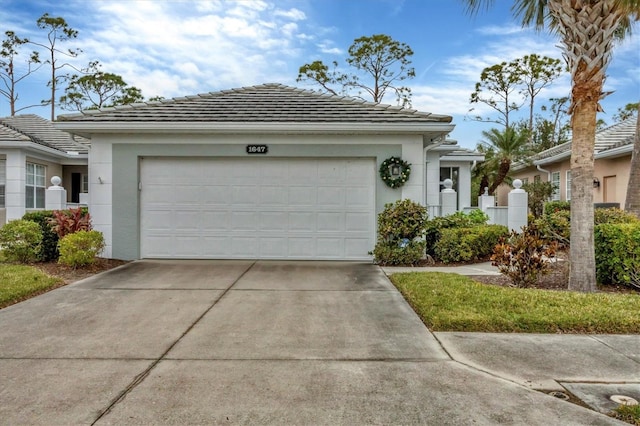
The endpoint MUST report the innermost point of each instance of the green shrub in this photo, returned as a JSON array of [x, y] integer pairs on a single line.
[[468, 244], [80, 248], [387, 254], [49, 246], [402, 220], [538, 192], [523, 257], [400, 233], [556, 206], [555, 226], [613, 215], [477, 217], [20, 241], [617, 247], [433, 228]]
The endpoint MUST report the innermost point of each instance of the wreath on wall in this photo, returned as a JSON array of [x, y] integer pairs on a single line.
[[395, 172]]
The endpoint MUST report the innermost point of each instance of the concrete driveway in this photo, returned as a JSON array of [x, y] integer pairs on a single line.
[[243, 342]]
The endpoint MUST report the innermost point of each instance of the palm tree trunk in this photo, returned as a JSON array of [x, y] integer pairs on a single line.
[[632, 203], [582, 274]]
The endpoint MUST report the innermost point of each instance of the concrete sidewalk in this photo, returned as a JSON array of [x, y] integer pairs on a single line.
[[242, 342], [483, 268]]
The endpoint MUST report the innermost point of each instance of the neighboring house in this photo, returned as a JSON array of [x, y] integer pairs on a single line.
[[612, 160], [32, 151], [268, 171]]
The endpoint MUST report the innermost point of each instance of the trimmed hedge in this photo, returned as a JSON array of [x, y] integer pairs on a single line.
[[49, 247], [435, 226], [617, 247], [467, 244]]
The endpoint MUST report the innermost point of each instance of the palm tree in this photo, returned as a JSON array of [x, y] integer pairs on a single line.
[[588, 30], [632, 203], [501, 149]]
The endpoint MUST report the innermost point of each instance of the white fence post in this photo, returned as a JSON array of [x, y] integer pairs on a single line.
[[486, 200], [448, 198], [55, 197], [518, 207]]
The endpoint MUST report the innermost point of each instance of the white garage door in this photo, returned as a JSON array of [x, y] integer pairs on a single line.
[[257, 208]]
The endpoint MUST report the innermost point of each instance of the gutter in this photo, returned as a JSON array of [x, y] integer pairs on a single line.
[[614, 152]]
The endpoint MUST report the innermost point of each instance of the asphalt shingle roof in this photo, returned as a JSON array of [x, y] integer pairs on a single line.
[[30, 127], [263, 103]]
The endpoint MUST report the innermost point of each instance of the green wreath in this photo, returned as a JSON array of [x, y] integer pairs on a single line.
[[401, 178]]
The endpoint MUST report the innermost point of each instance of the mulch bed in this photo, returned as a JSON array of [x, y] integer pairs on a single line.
[[70, 275]]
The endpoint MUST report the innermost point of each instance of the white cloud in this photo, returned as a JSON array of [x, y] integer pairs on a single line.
[[502, 30], [293, 14]]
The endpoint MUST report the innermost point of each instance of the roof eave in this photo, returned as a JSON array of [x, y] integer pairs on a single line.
[[615, 152], [32, 146], [86, 129]]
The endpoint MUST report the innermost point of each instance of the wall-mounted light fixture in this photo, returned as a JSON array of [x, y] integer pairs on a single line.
[[100, 180], [395, 170], [596, 182]]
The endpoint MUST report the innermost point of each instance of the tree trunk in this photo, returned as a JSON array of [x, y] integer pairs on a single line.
[[632, 203], [582, 276]]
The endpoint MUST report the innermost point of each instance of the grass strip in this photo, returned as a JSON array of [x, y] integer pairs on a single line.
[[452, 302], [20, 282]]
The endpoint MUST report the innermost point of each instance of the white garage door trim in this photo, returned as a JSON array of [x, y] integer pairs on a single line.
[[257, 208]]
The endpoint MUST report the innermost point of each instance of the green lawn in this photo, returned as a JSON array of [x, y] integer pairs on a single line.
[[451, 302], [19, 282]]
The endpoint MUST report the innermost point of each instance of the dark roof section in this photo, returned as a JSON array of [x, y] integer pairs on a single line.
[[30, 127], [264, 103]]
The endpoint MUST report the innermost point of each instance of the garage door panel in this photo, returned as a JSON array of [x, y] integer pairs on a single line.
[[330, 196], [244, 221], [272, 196], [330, 247], [274, 221], [215, 220], [187, 220], [302, 221], [330, 222], [258, 208], [158, 220], [302, 196]]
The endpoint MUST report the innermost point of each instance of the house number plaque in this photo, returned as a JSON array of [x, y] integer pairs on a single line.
[[257, 149]]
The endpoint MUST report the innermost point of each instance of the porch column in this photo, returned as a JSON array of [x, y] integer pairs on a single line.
[[15, 186], [433, 178]]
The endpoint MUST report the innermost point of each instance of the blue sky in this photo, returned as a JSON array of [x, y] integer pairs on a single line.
[[174, 48]]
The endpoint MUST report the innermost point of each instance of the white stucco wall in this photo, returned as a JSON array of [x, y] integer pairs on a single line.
[[101, 190]]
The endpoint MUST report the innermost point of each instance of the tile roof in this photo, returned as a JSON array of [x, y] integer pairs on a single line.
[[617, 135], [33, 128], [264, 103]]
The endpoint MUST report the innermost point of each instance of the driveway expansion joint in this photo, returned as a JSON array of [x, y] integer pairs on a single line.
[[140, 377]]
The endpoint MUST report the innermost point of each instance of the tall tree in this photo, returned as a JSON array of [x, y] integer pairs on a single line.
[[380, 63], [536, 73], [632, 203], [497, 88], [57, 31], [588, 30], [8, 73], [97, 89]]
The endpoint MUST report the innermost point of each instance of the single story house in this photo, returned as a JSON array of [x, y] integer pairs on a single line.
[[32, 151], [612, 161], [268, 171]]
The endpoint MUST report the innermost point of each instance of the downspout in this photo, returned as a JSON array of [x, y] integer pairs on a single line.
[[544, 170], [473, 165]]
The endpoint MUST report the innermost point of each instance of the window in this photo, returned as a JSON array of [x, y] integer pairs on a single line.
[[536, 178], [35, 187], [3, 182], [568, 192], [555, 181], [525, 181], [84, 186]]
